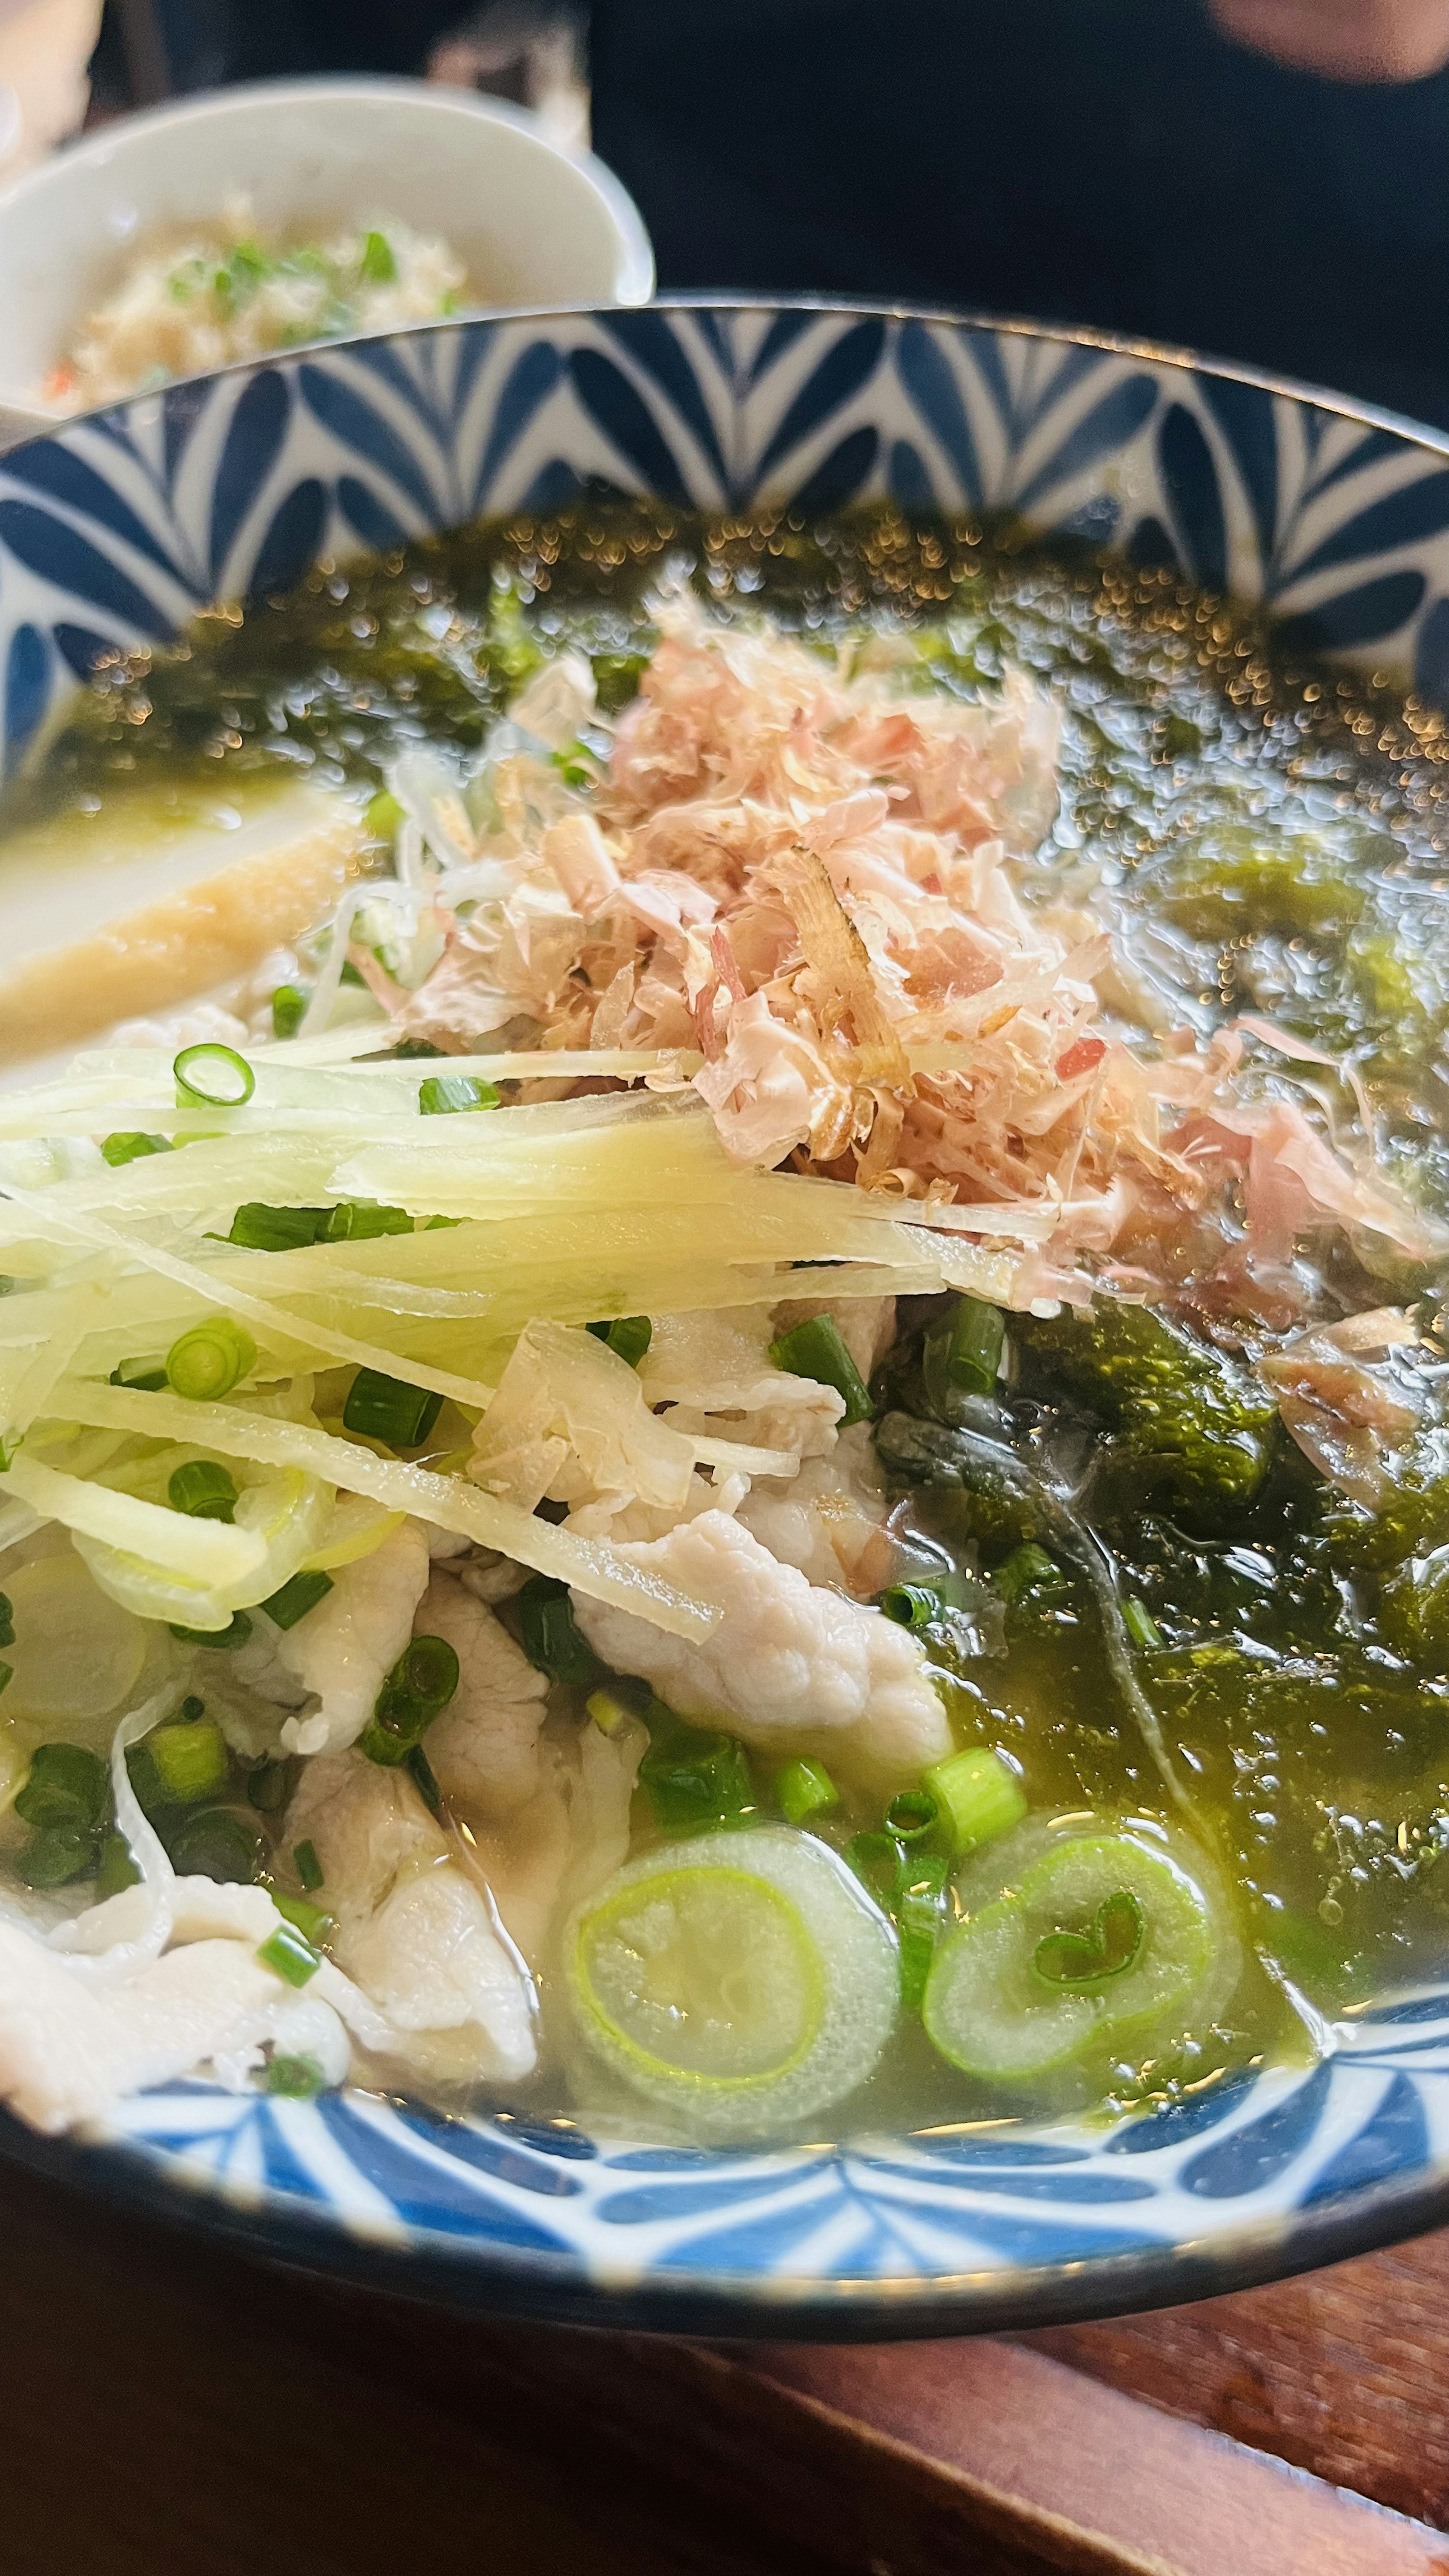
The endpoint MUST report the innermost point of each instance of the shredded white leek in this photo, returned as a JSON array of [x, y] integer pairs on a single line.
[[274, 1325], [205, 1551], [590, 1565]]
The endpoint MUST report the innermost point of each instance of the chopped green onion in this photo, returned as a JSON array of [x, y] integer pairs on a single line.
[[65, 1789], [116, 1868], [295, 1598], [128, 1145], [550, 1637], [290, 1956], [295, 2079], [1140, 1625], [979, 1797], [203, 1490], [629, 1335], [226, 1641], [962, 1353], [442, 1093], [920, 1912], [55, 1855], [816, 1350], [804, 1789], [312, 1921], [260, 1228], [7, 1676], [1080, 1962], [307, 1865], [693, 1780], [427, 1670], [269, 1787], [607, 1712], [277, 1229], [421, 1682], [140, 1375], [206, 1363], [361, 1220], [389, 1740], [191, 1708], [7, 1620], [385, 1409], [913, 1816], [911, 1605], [190, 1761], [876, 1861], [289, 1010], [1027, 1570], [379, 265], [214, 1843], [211, 1076]]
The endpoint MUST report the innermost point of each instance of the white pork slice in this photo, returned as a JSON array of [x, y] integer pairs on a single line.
[[70, 2049], [571, 1836], [344, 1650], [484, 1747], [413, 1928], [789, 1665], [829, 1520]]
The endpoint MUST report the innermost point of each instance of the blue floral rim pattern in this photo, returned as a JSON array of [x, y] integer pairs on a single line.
[[113, 533]]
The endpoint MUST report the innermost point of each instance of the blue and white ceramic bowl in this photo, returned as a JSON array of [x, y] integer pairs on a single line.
[[113, 533]]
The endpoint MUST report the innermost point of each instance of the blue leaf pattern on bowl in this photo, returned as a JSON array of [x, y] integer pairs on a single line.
[[1190, 481], [255, 437]]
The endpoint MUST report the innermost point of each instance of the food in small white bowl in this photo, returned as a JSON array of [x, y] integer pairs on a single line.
[[220, 291], [468, 204]]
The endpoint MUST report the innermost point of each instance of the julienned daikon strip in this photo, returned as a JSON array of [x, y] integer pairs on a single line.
[[449, 1502], [574, 1268], [269, 1320], [740, 1458], [209, 1551], [278, 1064], [201, 1183], [82, 1309], [314, 1273]]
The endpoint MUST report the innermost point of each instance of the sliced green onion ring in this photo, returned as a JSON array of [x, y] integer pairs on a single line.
[[911, 1605], [207, 1362], [804, 1789], [742, 1981], [978, 1795], [204, 1490], [1147, 1944], [211, 1076]]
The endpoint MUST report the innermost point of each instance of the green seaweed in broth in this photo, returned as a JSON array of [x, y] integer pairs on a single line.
[[1272, 835]]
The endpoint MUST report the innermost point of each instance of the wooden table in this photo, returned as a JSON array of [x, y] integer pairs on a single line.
[[171, 2409]]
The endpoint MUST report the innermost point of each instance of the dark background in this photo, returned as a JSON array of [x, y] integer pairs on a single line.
[[1114, 162]]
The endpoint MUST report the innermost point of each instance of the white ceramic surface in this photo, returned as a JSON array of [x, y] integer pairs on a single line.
[[536, 225]]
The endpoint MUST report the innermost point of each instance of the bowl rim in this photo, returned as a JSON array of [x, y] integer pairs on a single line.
[[489, 2279], [710, 299], [486, 2279]]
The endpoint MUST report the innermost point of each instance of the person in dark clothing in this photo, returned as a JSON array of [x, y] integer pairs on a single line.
[[1266, 180]]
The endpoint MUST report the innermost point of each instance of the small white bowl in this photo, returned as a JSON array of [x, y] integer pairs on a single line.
[[534, 223]]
